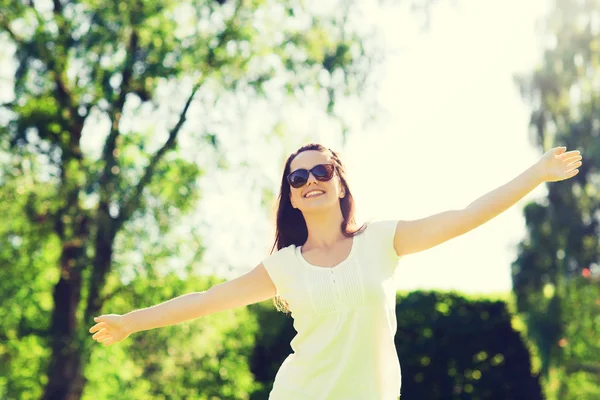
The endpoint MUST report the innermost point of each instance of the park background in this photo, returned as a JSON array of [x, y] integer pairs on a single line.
[[431, 103]]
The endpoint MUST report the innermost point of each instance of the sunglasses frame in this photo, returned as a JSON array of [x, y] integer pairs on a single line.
[[324, 178]]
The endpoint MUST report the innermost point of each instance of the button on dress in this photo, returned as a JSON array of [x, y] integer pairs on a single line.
[[345, 321]]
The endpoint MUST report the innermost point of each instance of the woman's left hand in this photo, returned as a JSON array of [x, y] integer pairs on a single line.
[[558, 164]]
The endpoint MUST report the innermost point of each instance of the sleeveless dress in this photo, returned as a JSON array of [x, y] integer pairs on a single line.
[[345, 321]]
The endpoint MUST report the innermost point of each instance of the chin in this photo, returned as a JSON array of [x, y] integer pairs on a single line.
[[320, 205]]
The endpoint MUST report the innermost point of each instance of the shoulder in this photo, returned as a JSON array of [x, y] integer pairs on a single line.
[[382, 233], [279, 257], [381, 228], [279, 266]]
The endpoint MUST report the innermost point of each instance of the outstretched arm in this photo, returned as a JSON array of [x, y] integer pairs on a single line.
[[422, 234], [253, 287]]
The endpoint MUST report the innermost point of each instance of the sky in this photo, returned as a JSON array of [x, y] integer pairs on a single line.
[[457, 129], [452, 127]]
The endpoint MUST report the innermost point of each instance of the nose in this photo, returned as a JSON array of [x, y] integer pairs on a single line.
[[311, 178]]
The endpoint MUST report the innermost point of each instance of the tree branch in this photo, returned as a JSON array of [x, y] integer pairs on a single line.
[[132, 51], [63, 92], [110, 160], [133, 200], [589, 368]]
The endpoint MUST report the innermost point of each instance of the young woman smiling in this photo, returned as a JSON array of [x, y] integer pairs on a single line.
[[336, 278]]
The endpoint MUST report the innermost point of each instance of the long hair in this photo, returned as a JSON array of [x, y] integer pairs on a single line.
[[291, 227]]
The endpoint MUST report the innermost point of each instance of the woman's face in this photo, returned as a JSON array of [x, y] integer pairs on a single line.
[[332, 190]]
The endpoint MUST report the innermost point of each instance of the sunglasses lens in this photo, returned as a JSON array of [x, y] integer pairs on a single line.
[[298, 178], [323, 172]]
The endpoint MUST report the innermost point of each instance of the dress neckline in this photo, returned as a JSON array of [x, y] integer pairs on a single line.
[[319, 267]]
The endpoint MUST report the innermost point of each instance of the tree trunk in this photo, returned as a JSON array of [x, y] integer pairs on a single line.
[[65, 380], [103, 252]]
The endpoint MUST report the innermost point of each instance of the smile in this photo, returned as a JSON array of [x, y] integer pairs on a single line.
[[314, 193]]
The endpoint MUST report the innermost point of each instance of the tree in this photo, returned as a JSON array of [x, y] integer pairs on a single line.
[[451, 347], [86, 75], [555, 277]]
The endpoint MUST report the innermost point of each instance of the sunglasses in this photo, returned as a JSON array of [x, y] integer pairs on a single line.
[[321, 172]]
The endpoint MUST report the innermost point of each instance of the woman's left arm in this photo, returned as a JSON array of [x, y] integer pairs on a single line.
[[421, 234]]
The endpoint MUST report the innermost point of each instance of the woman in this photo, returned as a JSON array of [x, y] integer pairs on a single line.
[[335, 278]]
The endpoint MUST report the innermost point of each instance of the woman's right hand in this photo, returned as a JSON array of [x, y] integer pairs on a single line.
[[109, 329]]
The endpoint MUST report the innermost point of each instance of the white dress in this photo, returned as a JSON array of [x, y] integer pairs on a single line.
[[346, 321]]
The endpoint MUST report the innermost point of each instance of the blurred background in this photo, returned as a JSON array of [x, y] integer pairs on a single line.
[[141, 148]]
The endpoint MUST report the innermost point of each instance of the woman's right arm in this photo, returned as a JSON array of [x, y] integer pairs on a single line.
[[253, 287]]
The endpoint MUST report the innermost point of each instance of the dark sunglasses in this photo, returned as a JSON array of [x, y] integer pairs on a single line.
[[321, 172]]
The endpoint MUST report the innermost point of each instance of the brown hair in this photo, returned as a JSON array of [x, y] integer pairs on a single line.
[[291, 226]]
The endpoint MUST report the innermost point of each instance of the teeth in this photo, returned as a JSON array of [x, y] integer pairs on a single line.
[[313, 193]]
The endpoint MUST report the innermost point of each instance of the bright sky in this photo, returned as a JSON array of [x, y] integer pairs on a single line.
[[456, 128]]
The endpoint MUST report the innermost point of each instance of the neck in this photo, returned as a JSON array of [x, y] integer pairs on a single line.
[[324, 229]]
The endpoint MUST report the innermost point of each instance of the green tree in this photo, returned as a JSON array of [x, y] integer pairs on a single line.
[[555, 277], [97, 72], [451, 347]]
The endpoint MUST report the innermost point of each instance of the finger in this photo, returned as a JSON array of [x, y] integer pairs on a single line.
[[100, 333], [104, 338], [99, 337], [559, 149], [574, 165], [572, 159], [569, 154], [108, 343], [97, 327], [572, 173]]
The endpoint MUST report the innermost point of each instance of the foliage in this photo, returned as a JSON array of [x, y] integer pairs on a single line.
[[201, 359], [271, 348], [25, 287], [558, 260], [454, 348], [94, 175]]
